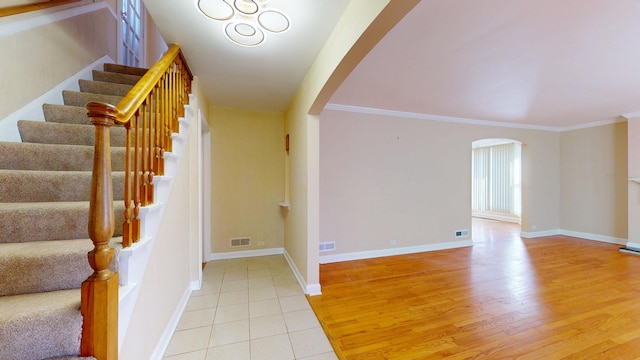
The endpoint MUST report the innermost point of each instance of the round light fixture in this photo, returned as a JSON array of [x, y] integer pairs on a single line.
[[246, 21]]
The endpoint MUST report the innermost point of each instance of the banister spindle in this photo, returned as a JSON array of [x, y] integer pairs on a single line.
[[127, 225], [150, 163]]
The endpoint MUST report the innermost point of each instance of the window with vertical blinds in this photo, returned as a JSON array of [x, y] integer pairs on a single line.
[[496, 181]]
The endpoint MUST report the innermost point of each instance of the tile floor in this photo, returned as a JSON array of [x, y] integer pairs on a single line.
[[249, 309]]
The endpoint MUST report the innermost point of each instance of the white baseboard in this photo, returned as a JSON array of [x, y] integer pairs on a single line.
[[310, 289], [163, 343], [595, 237], [246, 253], [633, 246], [395, 251], [33, 110], [578, 234]]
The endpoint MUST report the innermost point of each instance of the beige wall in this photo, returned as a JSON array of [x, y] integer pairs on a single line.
[[385, 178], [362, 25], [594, 180], [36, 60], [247, 178], [633, 187]]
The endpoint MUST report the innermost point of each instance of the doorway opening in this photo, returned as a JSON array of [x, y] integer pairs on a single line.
[[496, 180]]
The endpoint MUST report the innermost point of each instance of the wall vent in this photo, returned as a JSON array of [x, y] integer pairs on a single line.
[[241, 242], [327, 246], [462, 233]]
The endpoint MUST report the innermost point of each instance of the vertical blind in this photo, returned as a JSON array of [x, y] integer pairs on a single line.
[[496, 179]]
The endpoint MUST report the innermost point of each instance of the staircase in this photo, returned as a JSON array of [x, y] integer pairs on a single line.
[[45, 184]]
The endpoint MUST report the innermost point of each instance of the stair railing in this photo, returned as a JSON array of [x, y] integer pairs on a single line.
[[150, 113]]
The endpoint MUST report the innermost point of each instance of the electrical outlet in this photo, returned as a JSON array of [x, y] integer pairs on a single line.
[[392, 243]]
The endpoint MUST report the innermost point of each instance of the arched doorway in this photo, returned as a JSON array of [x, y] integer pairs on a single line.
[[496, 180]]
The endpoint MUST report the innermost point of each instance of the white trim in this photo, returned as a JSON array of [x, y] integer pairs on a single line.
[[630, 116], [633, 246], [310, 289], [457, 120], [14, 27], [33, 110], [593, 124], [595, 237], [163, 343], [537, 234], [246, 253], [577, 234], [449, 119], [395, 251]]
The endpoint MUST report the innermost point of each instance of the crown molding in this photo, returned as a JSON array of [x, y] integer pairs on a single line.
[[630, 116], [421, 116], [457, 120]]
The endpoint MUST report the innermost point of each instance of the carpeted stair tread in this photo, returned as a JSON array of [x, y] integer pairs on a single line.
[[40, 325], [43, 266], [124, 69], [116, 78], [104, 87], [77, 98], [33, 156], [71, 134], [50, 186], [43, 221]]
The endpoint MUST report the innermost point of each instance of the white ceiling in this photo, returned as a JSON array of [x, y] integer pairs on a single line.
[[557, 63], [259, 78], [551, 63]]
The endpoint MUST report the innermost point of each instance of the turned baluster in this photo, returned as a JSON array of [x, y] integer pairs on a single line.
[[100, 291]]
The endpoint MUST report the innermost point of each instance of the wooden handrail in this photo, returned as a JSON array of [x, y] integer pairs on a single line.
[[149, 113], [20, 9]]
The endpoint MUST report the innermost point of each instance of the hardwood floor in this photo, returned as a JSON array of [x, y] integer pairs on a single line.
[[556, 297]]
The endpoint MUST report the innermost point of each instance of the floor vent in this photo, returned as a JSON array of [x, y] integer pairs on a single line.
[[241, 242], [327, 246]]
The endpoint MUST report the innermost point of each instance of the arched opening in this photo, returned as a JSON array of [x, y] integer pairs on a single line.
[[496, 181]]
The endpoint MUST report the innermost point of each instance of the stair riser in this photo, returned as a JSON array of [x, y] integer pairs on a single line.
[[36, 223], [23, 273], [25, 156], [66, 114], [106, 88], [71, 115], [50, 186], [115, 78], [123, 69], [54, 133], [75, 98]]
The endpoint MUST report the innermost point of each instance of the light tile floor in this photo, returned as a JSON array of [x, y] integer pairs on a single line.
[[249, 309]]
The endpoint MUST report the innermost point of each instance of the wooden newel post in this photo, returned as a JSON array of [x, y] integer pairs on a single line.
[[100, 291]]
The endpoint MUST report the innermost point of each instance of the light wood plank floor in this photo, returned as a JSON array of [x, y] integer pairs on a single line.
[[556, 297]]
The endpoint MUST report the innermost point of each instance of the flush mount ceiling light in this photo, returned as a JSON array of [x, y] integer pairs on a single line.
[[246, 21]]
